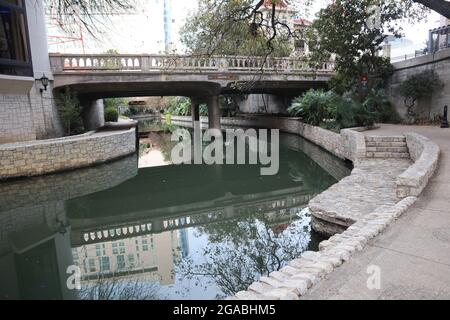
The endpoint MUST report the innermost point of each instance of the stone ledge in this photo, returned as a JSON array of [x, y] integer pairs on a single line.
[[33, 158], [425, 154], [294, 280]]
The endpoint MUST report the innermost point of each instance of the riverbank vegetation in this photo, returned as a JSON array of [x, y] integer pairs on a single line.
[[69, 109], [181, 106], [333, 111]]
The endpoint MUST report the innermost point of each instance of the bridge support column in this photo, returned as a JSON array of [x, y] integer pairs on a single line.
[[213, 112], [195, 109], [93, 114]]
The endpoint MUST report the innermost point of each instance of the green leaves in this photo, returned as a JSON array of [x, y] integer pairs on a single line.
[[421, 85], [333, 111], [353, 31], [70, 111], [315, 106], [111, 114], [417, 87]]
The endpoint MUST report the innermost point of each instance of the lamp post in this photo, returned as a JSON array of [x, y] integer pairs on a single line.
[[44, 81], [445, 118]]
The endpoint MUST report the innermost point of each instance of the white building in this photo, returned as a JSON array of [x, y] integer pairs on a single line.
[[26, 113]]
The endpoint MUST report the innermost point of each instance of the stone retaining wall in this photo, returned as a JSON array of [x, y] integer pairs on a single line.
[[349, 144], [425, 154], [427, 108], [293, 281], [68, 185], [34, 158]]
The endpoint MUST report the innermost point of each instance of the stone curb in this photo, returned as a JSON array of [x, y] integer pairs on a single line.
[[294, 280], [34, 158], [425, 154]]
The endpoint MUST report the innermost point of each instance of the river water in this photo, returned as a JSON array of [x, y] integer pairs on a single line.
[[117, 231]]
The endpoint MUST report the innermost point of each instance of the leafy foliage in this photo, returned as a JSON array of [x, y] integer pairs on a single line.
[[315, 106], [237, 27], [419, 86], [352, 113], [330, 110], [111, 114], [70, 112], [180, 106], [378, 101], [114, 102], [353, 31]]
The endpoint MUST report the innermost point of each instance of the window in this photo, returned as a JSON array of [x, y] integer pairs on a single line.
[[131, 260], [98, 252], [114, 248], [104, 264], [91, 265], [144, 244], [15, 57], [122, 248], [120, 262]]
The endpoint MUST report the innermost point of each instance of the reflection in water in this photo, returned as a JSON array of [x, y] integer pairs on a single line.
[[241, 251], [187, 232]]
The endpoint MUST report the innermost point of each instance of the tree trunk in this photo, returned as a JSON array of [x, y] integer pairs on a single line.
[[440, 6]]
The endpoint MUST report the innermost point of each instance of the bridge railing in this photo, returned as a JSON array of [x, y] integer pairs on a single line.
[[170, 63]]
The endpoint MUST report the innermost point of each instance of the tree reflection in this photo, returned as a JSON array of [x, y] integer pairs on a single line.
[[240, 251], [118, 288]]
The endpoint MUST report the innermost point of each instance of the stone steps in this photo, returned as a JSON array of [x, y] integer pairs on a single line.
[[401, 149], [385, 155], [385, 139], [385, 144], [380, 147]]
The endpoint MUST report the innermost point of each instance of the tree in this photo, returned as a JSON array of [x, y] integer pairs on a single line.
[[70, 111], [353, 31], [240, 27], [440, 6], [419, 86], [89, 14]]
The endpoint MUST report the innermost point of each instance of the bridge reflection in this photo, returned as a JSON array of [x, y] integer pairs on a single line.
[[173, 197]]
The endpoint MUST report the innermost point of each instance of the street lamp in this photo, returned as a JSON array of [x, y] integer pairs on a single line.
[[44, 81], [444, 123]]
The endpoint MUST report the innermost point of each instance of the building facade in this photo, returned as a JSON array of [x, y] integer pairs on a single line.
[[26, 111]]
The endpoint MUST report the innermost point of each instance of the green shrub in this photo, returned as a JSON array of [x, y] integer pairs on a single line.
[[315, 106], [70, 112], [378, 102], [352, 113], [419, 86], [114, 102], [111, 114], [180, 106]]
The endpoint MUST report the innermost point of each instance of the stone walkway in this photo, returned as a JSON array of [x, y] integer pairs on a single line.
[[371, 185], [413, 254]]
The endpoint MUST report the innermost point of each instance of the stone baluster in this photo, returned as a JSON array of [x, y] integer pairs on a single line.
[[145, 63]]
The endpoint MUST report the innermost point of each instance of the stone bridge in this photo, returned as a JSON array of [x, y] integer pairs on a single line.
[[202, 79]]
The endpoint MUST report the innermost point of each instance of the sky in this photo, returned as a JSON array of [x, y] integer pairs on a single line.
[[143, 31]]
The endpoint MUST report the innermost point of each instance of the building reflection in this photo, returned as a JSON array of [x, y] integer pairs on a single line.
[[152, 256], [129, 231]]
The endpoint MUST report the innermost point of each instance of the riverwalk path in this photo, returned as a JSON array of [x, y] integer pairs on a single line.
[[411, 258]]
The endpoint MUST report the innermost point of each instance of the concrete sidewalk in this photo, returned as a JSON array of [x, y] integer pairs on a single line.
[[413, 254]]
